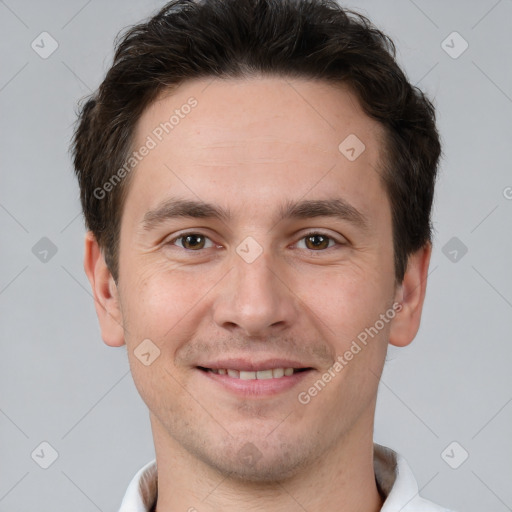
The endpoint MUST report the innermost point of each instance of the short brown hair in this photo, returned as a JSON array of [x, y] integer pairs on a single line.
[[312, 39]]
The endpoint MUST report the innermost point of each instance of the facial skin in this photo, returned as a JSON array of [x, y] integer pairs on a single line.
[[247, 147]]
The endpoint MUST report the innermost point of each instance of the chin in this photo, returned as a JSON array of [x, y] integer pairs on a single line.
[[269, 465]]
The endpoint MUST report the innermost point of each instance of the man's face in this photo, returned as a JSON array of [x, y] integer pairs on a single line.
[[256, 291]]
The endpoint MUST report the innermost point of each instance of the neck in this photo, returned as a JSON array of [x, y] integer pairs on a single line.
[[342, 478]]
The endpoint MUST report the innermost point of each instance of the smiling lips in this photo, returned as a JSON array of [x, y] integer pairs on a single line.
[[247, 369], [270, 373], [249, 378]]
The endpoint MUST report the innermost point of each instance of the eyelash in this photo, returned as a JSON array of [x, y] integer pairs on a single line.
[[311, 233]]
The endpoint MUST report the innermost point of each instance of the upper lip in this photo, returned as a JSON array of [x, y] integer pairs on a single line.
[[250, 365]]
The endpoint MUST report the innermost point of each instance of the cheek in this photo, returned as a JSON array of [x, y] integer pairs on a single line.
[[154, 305], [161, 303], [346, 300]]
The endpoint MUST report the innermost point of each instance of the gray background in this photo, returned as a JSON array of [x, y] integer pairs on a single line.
[[61, 384]]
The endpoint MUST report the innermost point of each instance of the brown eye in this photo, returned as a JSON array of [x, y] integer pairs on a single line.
[[191, 241], [317, 242]]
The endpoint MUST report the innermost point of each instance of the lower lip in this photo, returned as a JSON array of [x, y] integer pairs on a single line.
[[256, 387]]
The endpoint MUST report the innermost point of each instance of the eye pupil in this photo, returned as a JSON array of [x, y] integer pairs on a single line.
[[189, 238], [323, 243]]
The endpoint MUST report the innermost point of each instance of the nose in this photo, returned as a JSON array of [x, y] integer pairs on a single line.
[[255, 299]]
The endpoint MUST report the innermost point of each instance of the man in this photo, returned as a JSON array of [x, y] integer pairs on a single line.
[[257, 178]]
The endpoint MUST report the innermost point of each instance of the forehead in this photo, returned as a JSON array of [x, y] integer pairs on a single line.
[[259, 139], [227, 110]]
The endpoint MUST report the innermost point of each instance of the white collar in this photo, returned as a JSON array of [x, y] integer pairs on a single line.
[[392, 474]]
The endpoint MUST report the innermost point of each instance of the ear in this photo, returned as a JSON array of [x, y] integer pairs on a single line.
[[411, 294], [106, 300]]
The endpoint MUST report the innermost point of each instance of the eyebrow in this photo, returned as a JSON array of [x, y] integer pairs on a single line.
[[173, 208]]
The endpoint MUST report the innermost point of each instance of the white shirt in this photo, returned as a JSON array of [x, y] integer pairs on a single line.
[[392, 474]]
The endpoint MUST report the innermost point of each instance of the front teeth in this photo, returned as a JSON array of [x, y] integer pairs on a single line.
[[259, 375]]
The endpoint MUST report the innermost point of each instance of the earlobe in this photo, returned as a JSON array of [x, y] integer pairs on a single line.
[[411, 295], [106, 300]]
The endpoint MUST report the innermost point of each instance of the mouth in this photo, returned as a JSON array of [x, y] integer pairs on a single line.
[[254, 381], [269, 373]]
